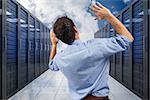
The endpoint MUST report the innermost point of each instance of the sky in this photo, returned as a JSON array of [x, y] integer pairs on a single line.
[[49, 10]]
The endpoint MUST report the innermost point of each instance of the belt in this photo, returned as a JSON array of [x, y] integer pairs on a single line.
[[91, 97]]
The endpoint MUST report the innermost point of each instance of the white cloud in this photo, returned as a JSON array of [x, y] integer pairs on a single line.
[[48, 10]]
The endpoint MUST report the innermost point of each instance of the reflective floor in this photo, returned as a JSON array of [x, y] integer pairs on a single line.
[[53, 86]]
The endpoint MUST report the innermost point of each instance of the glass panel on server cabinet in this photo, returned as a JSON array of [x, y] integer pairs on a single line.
[[125, 54], [37, 48], [45, 49], [138, 47], [42, 49], [118, 63], [49, 44], [46, 38], [31, 48], [11, 31], [112, 58], [23, 47]]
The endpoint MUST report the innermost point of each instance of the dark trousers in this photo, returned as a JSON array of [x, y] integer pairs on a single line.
[[91, 97]]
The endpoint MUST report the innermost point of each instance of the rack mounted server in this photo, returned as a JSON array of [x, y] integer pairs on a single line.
[[24, 47], [131, 67]]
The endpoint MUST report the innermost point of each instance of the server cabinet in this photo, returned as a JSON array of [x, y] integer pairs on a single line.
[[45, 47], [37, 49], [134, 61], [49, 44], [118, 57], [19, 46], [138, 48], [31, 49], [41, 48], [23, 72], [126, 68], [11, 48], [112, 58]]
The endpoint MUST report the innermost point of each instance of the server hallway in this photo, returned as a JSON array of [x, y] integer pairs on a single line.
[[53, 86], [35, 65]]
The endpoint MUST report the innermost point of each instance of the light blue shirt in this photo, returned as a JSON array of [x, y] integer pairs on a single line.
[[86, 65]]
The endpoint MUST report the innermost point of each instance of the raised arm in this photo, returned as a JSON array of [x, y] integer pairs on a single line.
[[103, 13], [54, 41]]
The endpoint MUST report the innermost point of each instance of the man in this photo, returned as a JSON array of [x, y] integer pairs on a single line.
[[86, 64]]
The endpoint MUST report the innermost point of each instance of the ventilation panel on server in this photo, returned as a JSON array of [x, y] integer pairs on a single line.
[[37, 48], [31, 48], [118, 68], [45, 48], [138, 47], [112, 58], [42, 49], [11, 31], [125, 54], [23, 47]]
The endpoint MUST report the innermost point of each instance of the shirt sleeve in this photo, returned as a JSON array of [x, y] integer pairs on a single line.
[[110, 46], [52, 65]]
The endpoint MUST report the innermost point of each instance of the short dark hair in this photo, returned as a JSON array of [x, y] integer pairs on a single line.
[[64, 30]]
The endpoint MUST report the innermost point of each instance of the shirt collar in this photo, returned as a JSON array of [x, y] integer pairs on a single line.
[[76, 42]]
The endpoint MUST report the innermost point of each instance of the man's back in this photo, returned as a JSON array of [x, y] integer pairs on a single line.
[[86, 65]]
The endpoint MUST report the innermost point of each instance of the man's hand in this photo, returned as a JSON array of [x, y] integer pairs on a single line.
[[100, 11], [53, 38], [103, 13]]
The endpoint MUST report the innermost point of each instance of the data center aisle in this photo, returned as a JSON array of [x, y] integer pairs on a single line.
[[53, 86]]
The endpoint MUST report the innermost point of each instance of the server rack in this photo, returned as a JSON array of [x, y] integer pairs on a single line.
[[48, 44], [11, 48], [112, 58], [19, 47], [45, 48], [31, 49], [126, 56], [48, 47], [41, 48], [118, 58], [23, 72], [0, 49], [37, 49], [134, 62], [138, 56]]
